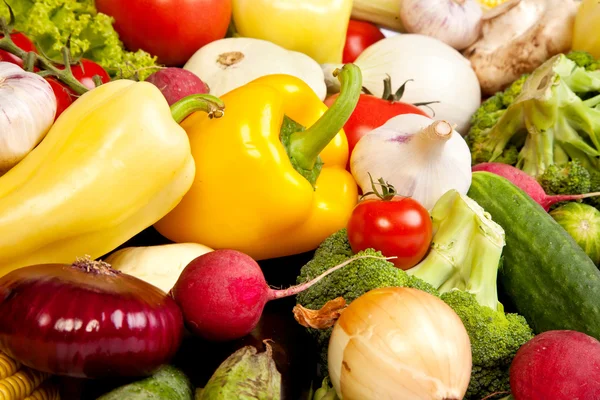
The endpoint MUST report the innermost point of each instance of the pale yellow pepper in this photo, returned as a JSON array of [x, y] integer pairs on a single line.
[[314, 27], [114, 163]]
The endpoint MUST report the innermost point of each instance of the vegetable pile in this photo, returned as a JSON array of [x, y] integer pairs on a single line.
[[423, 176]]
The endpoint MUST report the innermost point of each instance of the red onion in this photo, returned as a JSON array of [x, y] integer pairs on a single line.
[[86, 320]]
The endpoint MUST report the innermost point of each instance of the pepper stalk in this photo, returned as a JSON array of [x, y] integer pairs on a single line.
[[304, 145], [466, 250]]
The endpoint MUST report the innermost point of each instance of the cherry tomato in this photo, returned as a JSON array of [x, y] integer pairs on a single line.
[[371, 112], [86, 69], [23, 43], [359, 36], [399, 227], [172, 30], [64, 96]]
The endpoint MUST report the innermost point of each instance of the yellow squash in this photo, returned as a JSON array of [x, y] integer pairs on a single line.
[[314, 27], [260, 185], [113, 164]]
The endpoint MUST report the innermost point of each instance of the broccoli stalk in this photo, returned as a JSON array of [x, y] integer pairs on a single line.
[[549, 120], [466, 250]]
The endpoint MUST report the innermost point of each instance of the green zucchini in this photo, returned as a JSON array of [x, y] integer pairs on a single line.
[[168, 383], [549, 278]]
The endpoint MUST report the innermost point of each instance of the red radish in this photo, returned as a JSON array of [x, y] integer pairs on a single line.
[[528, 184], [557, 365], [177, 83], [222, 294]]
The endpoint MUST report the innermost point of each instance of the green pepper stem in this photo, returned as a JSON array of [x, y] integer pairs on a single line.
[[305, 147], [197, 102]]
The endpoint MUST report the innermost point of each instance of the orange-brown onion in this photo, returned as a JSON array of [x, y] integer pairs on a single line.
[[399, 343]]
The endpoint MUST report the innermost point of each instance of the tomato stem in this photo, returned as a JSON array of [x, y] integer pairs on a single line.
[[388, 191]]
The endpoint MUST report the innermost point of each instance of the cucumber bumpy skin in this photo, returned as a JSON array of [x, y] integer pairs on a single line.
[[550, 279]]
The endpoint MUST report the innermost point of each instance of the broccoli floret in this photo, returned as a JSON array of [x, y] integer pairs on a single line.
[[513, 91], [583, 59], [350, 282], [547, 117], [594, 187], [495, 339], [466, 249], [569, 178]]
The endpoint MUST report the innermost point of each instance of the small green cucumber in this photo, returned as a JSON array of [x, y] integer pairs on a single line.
[[550, 279]]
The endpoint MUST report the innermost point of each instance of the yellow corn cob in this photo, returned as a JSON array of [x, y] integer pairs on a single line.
[[48, 391], [385, 13], [18, 383], [8, 366], [491, 3]]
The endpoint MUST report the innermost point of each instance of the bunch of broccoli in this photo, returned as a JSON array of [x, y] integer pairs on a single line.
[[546, 123], [495, 336]]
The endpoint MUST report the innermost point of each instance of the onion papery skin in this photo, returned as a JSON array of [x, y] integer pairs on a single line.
[[399, 343], [66, 321]]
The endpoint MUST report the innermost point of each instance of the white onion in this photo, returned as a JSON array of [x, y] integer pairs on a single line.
[[27, 109], [399, 343], [438, 73]]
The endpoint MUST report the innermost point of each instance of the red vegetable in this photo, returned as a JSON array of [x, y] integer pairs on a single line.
[[371, 112], [172, 30], [222, 294], [394, 225], [85, 71], [360, 35], [528, 184], [177, 83], [86, 320], [64, 96], [557, 365], [23, 43]]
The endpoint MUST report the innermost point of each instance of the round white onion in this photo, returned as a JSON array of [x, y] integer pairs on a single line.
[[399, 343], [27, 109]]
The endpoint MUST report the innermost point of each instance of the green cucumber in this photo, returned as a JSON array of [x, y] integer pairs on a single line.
[[168, 383], [549, 278]]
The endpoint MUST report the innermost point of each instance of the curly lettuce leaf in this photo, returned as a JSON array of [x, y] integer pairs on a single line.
[[50, 24]]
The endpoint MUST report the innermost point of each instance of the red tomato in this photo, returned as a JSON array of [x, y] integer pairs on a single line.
[[371, 112], [63, 96], [400, 227], [23, 43], [172, 30], [86, 69], [359, 36]]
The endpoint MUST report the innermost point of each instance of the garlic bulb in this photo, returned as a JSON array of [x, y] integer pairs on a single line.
[[27, 108], [227, 64], [399, 343], [422, 158], [454, 22]]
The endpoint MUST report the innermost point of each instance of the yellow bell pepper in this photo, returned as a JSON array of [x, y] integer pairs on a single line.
[[314, 27], [253, 189], [113, 164]]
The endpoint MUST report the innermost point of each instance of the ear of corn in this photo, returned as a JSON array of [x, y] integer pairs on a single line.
[[22, 383], [385, 13], [491, 3], [47, 391]]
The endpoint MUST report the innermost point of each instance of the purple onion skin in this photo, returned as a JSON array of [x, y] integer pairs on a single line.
[[177, 83], [66, 321]]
